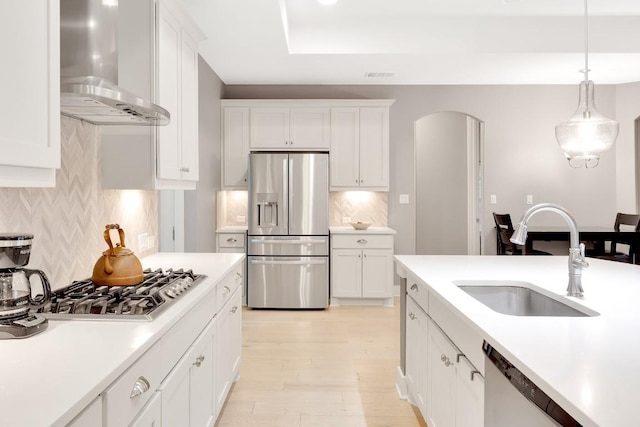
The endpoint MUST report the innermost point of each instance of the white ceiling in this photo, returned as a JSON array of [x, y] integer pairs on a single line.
[[419, 41]]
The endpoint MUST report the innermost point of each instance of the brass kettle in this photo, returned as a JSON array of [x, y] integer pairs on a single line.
[[117, 266]]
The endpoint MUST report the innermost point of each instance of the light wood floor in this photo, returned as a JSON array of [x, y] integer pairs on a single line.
[[330, 368]]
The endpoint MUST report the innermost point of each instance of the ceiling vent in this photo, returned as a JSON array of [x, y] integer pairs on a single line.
[[378, 75]]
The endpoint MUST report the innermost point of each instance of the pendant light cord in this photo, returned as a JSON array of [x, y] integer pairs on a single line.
[[586, 43]]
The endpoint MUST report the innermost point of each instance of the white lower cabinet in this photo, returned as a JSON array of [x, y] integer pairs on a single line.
[[440, 378], [362, 269], [417, 350], [228, 348], [187, 394]]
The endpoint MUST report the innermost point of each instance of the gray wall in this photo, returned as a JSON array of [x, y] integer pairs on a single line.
[[521, 154], [627, 111], [200, 204]]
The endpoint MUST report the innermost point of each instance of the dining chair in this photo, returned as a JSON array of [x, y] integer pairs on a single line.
[[614, 252], [504, 231]]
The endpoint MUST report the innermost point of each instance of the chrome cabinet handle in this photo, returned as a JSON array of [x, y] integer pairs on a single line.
[[412, 316], [234, 308], [226, 290], [198, 361], [362, 241], [141, 386], [184, 169], [232, 240], [445, 360], [473, 374], [414, 287]]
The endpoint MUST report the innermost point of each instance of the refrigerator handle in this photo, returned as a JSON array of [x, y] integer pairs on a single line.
[[291, 192]]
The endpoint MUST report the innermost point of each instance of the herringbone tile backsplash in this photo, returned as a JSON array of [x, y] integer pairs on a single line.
[[68, 221]]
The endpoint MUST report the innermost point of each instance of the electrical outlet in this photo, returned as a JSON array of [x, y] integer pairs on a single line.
[[143, 239], [529, 199], [346, 219], [241, 218], [493, 199], [404, 199], [151, 242]]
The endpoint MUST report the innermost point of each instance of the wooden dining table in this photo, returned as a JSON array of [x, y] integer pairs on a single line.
[[599, 235]]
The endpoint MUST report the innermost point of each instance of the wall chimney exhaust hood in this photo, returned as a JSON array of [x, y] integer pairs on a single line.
[[89, 68]]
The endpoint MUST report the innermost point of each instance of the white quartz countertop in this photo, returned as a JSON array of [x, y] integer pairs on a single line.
[[370, 230], [588, 365], [50, 377], [232, 229]]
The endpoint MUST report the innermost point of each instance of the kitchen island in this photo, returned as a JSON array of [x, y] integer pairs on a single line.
[[588, 365], [49, 378]]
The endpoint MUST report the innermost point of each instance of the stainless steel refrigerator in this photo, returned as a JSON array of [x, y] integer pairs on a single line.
[[288, 250]]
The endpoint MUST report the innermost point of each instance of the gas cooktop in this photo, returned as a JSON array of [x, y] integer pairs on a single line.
[[87, 301]]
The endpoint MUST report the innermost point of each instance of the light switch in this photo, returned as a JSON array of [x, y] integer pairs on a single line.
[[143, 239], [529, 199], [493, 199], [241, 218], [404, 199], [346, 219]]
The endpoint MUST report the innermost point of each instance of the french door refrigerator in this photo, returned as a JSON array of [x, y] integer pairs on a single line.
[[288, 250]]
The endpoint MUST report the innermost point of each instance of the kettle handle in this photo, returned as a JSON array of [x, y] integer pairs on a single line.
[[107, 236], [39, 300]]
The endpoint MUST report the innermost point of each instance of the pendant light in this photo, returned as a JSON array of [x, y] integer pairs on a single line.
[[587, 135]]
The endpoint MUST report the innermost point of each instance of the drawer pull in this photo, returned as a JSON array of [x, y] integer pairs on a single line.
[[362, 241], [414, 287], [226, 290], [140, 387], [473, 373], [234, 308], [198, 361], [184, 169], [232, 240], [445, 360], [412, 316]]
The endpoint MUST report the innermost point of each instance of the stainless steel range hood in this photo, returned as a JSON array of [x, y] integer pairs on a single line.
[[89, 88]]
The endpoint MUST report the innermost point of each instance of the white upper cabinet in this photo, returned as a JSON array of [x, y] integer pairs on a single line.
[[360, 148], [295, 128], [30, 102], [163, 157], [235, 147], [355, 132]]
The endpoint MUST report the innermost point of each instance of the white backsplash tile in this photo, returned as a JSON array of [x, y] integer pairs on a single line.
[[68, 221], [365, 206]]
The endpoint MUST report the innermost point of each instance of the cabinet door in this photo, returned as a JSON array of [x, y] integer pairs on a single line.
[[417, 340], [469, 396], [346, 273], [235, 147], [309, 128], [377, 273], [344, 156], [188, 108], [441, 399], [269, 128], [201, 389], [374, 148], [168, 147], [150, 415], [30, 101], [222, 378]]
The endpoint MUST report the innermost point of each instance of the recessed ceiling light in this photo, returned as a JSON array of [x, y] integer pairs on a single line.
[[327, 2]]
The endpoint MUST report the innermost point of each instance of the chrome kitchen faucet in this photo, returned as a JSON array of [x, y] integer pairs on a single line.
[[577, 261]]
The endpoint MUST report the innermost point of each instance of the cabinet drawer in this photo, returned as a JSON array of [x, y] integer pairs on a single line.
[[349, 241], [419, 292], [129, 393], [465, 338], [231, 240], [227, 287]]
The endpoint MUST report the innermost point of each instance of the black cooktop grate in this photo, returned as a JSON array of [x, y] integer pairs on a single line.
[[85, 300]]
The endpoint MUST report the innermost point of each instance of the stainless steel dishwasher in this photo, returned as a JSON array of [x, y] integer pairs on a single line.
[[512, 399]]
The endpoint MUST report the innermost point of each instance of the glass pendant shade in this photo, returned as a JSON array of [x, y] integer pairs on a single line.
[[587, 135]]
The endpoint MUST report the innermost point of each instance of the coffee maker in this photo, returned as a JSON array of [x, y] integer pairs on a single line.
[[16, 300]]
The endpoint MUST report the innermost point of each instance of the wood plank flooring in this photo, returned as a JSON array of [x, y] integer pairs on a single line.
[[334, 367]]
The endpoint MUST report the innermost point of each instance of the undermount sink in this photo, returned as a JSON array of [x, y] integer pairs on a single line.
[[519, 299]]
